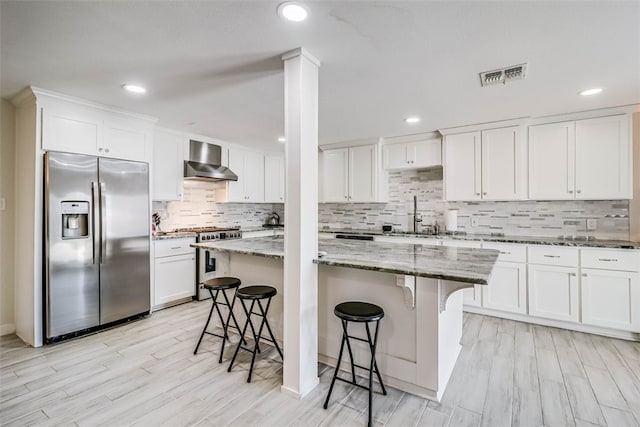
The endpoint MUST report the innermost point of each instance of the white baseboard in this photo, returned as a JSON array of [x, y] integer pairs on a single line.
[[613, 333], [7, 328], [302, 393]]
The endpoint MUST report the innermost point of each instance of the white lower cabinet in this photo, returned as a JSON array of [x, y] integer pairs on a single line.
[[507, 289], [174, 271], [553, 292], [611, 299]]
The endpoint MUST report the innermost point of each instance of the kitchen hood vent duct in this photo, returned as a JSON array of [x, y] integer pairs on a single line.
[[503, 75], [204, 163]]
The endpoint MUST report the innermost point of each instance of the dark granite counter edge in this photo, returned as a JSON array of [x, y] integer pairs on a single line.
[[524, 240], [452, 277], [181, 235]]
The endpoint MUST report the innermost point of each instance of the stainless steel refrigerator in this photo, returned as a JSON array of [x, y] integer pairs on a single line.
[[96, 242]]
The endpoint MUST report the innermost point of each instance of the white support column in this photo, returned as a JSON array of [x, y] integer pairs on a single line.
[[301, 214]]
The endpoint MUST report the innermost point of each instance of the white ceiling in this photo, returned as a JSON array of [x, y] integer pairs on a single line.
[[214, 67]]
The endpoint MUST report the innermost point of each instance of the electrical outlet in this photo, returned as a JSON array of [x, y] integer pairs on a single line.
[[591, 224], [475, 222]]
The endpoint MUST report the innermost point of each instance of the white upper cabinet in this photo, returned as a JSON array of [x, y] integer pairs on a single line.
[[351, 174], [83, 129], [71, 130], [249, 188], [502, 164], [603, 158], [362, 173], [552, 161], [413, 155], [582, 159], [274, 179], [167, 165], [336, 175], [462, 166], [484, 165]]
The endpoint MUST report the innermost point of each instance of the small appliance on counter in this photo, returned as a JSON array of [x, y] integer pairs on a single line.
[[273, 220], [451, 221]]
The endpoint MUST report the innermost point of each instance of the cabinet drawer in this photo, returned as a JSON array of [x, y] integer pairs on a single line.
[[508, 252], [552, 255], [171, 247], [610, 259], [461, 243]]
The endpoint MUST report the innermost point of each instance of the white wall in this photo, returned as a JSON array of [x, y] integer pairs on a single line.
[[7, 225]]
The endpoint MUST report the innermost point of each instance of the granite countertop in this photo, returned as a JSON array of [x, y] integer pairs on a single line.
[[530, 240], [173, 235], [458, 264]]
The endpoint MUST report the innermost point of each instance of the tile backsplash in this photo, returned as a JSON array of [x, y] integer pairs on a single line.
[[539, 218], [199, 209]]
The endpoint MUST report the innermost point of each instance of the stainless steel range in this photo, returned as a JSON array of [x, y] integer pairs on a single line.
[[210, 264]]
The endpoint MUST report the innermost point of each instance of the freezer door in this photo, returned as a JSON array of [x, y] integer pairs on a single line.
[[71, 265], [124, 249]]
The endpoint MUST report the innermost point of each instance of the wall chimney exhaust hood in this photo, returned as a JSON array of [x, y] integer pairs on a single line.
[[204, 163]]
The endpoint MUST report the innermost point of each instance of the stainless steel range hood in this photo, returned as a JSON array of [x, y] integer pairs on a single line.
[[204, 163]]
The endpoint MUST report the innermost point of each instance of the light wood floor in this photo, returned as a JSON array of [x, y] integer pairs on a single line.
[[144, 373]]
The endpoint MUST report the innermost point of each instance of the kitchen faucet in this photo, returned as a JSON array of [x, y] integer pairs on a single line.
[[415, 214]]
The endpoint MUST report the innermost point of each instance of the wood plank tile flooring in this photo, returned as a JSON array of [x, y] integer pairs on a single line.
[[144, 373]]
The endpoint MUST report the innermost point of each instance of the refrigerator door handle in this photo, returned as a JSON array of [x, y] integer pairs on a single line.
[[103, 223], [94, 217]]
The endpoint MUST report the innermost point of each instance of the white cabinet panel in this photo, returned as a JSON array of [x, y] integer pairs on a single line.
[[610, 259], [553, 255], [395, 156], [124, 140], [71, 130], [551, 161], [351, 174], [413, 155], [473, 296], [175, 278], [253, 177], [553, 292], [611, 299], [507, 288], [502, 168], [462, 166], [167, 165], [249, 188], [336, 175], [603, 158], [362, 164], [583, 159], [274, 179]]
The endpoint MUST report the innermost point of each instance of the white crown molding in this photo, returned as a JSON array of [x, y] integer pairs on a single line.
[[521, 121], [586, 114], [300, 51], [425, 136]]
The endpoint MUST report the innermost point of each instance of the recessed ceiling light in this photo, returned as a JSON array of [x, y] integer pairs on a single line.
[[282, 139], [593, 91], [292, 11], [412, 119], [134, 88]]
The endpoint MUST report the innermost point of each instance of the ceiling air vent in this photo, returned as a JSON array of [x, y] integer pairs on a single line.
[[503, 75]]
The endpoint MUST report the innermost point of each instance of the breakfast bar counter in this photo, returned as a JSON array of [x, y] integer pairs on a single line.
[[416, 285]]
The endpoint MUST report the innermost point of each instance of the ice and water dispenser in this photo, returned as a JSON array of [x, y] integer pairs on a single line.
[[75, 220]]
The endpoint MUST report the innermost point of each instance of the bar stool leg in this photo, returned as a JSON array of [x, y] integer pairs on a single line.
[[265, 322], [206, 325], [230, 316], [335, 372], [345, 327], [256, 338], [375, 363], [244, 330]]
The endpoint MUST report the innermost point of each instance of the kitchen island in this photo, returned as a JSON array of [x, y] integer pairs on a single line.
[[415, 284]]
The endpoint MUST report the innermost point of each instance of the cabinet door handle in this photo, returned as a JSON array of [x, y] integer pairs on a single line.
[[477, 194], [175, 247], [579, 191], [99, 148], [570, 191], [573, 274], [106, 150], [551, 256], [484, 194], [505, 253], [584, 274], [607, 259]]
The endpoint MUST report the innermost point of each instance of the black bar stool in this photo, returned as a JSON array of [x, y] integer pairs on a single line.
[[360, 312], [255, 294], [215, 286]]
